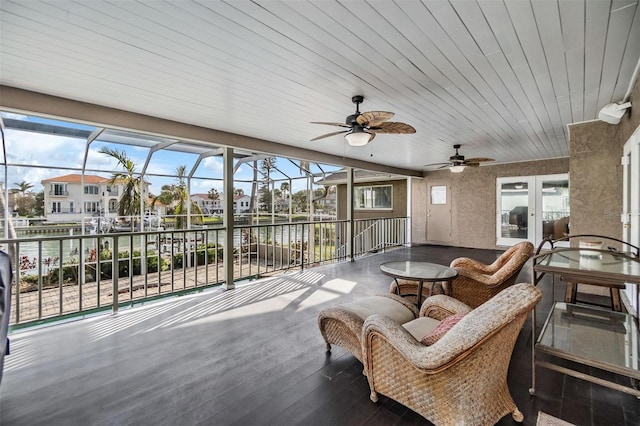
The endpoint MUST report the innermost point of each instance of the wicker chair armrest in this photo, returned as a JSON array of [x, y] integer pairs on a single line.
[[350, 320], [440, 306], [407, 303], [481, 278], [472, 264]]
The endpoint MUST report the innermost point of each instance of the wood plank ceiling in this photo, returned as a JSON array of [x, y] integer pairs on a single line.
[[502, 78]]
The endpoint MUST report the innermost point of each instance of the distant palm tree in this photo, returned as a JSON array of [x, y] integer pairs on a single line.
[[22, 187], [129, 204], [181, 196], [284, 187], [213, 194]]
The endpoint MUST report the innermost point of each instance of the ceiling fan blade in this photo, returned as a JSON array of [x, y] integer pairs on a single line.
[[373, 135], [478, 160], [330, 134], [471, 164], [374, 118], [438, 164], [331, 124], [393, 127]]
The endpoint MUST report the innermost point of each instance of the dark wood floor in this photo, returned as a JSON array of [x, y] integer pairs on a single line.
[[251, 356]]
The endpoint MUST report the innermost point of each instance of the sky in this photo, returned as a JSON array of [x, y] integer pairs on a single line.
[[27, 149]]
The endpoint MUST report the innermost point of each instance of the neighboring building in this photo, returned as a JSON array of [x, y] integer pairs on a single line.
[[241, 204], [65, 199], [208, 205]]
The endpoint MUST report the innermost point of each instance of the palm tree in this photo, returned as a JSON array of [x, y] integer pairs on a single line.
[[22, 187], [181, 196], [129, 204], [284, 187], [213, 194]]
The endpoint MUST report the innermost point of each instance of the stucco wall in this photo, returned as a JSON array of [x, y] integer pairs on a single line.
[[399, 201], [596, 173], [473, 200]]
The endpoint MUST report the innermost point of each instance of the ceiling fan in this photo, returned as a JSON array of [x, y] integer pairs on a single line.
[[457, 163], [363, 127]]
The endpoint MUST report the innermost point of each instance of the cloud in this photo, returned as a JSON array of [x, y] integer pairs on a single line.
[[41, 149], [213, 164]]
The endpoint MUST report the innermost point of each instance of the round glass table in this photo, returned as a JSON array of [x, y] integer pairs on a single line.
[[419, 271]]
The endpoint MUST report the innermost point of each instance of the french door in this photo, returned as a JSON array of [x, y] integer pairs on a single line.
[[530, 208], [631, 201]]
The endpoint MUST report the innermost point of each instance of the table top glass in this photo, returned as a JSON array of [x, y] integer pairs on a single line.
[[598, 337], [597, 262], [418, 270]]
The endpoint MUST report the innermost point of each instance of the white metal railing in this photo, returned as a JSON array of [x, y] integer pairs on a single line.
[[372, 235], [63, 275]]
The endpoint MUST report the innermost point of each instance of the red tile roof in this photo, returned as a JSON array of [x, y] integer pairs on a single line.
[[77, 178]]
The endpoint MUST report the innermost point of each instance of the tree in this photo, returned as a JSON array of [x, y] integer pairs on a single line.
[[284, 187], [24, 203], [129, 203], [238, 191], [181, 197], [213, 194], [22, 188], [299, 200], [266, 197], [166, 198], [38, 210]]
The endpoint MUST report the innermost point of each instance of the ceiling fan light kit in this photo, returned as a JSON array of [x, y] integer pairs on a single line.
[[358, 137], [457, 169], [361, 128]]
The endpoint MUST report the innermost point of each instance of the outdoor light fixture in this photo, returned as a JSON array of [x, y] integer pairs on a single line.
[[358, 137], [457, 169]]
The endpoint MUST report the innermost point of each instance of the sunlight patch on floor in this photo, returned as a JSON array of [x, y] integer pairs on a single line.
[[270, 305], [330, 290]]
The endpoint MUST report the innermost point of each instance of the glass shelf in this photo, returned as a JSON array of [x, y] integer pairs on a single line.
[[592, 336]]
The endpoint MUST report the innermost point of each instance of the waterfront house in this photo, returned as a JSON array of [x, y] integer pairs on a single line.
[[74, 197]]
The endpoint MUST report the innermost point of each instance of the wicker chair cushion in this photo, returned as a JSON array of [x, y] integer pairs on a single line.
[[442, 328], [379, 305], [421, 326]]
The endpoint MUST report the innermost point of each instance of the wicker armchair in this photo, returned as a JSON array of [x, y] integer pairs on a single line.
[[476, 282], [460, 379], [342, 324]]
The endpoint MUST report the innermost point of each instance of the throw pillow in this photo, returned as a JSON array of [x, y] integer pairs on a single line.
[[442, 328]]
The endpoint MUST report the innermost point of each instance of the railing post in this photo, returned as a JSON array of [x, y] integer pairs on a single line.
[[115, 272], [350, 224], [302, 249]]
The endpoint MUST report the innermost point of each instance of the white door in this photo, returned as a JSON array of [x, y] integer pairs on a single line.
[[532, 208], [631, 200], [439, 213]]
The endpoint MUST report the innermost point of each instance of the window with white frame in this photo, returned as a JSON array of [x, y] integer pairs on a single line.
[[378, 197], [56, 207], [91, 207], [59, 189], [91, 189]]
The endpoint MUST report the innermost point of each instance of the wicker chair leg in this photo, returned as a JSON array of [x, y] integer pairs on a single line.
[[328, 347], [517, 416], [374, 396]]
